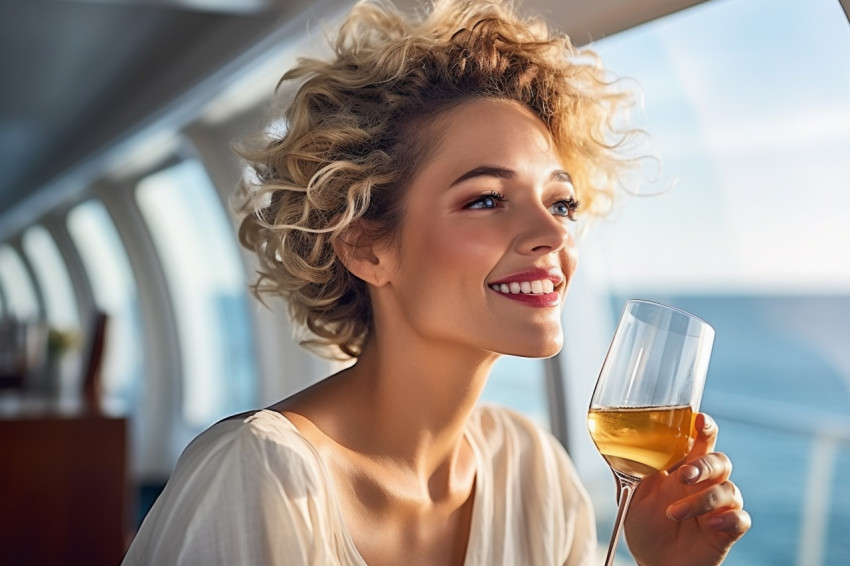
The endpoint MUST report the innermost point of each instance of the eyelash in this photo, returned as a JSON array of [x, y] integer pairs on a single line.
[[570, 202], [572, 205], [495, 195]]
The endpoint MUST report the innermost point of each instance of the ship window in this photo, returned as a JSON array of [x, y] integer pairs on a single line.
[[206, 281], [114, 292]]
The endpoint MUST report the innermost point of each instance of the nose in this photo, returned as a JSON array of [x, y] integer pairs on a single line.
[[540, 232]]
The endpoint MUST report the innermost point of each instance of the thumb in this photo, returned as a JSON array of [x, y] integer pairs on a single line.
[[706, 438]]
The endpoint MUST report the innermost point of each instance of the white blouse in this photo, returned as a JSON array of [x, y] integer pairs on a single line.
[[255, 492]]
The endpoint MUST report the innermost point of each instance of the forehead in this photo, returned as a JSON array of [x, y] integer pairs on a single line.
[[490, 132]]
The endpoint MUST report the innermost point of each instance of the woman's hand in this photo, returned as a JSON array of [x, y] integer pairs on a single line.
[[692, 515]]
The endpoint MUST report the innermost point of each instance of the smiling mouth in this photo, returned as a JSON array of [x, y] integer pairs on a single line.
[[540, 281], [535, 287]]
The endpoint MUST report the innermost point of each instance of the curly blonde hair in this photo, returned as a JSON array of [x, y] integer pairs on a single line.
[[357, 131]]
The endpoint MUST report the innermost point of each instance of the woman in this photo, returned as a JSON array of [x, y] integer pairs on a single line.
[[415, 215]]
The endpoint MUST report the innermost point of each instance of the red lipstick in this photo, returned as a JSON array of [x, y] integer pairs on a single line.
[[509, 287]]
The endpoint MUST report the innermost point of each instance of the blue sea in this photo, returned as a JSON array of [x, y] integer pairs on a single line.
[[779, 389]]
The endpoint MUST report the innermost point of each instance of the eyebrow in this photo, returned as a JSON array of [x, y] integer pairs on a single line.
[[505, 173]]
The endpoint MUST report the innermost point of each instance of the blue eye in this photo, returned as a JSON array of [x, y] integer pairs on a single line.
[[565, 208], [488, 201]]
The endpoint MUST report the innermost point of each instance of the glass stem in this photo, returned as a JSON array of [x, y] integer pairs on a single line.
[[626, 486]]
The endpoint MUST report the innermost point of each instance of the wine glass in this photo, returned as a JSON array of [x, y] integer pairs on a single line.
[[646, 399]]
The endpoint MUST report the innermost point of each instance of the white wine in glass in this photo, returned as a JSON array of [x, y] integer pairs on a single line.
[[646, 399]]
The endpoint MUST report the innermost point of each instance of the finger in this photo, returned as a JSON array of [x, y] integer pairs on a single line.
[[735, 522], [721, 496], [706, 438], [715, 466]]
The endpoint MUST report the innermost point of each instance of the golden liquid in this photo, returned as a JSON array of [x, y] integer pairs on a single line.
[[642, 441]]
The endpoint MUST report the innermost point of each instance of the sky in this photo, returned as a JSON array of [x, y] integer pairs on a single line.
[[751, 122]]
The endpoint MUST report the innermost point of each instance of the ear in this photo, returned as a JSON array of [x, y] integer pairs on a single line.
[[365, 258]]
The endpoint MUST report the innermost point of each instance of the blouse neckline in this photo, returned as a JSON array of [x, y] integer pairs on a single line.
[[478, 503]]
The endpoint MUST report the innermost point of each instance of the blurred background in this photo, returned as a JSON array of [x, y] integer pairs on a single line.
[[126, 328]]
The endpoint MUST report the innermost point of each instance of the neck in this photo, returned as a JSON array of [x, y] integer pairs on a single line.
[[419, 396]]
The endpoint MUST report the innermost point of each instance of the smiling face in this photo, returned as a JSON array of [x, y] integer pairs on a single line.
[[485, 252]]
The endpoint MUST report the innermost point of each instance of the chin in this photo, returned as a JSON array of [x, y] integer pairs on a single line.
[[543, 348]]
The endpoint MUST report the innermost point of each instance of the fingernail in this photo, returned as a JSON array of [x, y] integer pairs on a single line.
[[715, 522], [707, 423], [689, 473], [679, 511]]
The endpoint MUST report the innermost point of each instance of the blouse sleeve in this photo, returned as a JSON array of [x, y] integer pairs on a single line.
[[541, 512], [242, 493], [563, 499], [582, 546]]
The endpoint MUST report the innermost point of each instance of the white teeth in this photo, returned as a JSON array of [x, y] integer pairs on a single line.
[[537, 287]]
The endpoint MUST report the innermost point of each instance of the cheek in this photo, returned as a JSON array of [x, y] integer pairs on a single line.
[[457, 251], [569, 259], [444, 268]]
